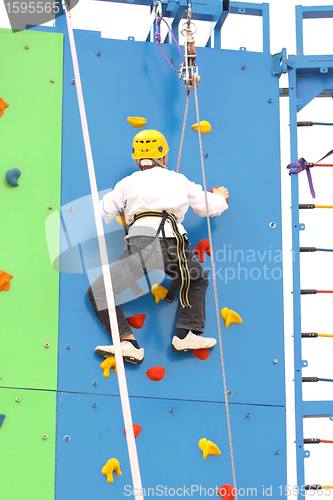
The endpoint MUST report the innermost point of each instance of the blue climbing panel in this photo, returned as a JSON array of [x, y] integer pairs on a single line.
[[240, 98]]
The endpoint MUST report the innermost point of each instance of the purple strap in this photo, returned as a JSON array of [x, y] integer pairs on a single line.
[[328, 154], [158, 40], [301, 165]]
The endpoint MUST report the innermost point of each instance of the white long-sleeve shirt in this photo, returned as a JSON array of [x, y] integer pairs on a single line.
[[159, 189]]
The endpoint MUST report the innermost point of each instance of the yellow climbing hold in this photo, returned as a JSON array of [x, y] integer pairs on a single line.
[[205, 127], [111, 466], [159, 292], [121, 220], [208, 448], [230, 316], [107, 364], [136, 121]]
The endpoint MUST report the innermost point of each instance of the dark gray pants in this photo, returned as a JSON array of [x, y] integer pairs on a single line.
[[129, 268]]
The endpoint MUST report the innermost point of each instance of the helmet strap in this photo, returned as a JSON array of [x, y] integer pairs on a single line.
[[146, 163]]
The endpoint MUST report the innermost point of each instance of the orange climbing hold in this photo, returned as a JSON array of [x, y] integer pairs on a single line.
[[201, 353], [159, 292], [137, 320], [202, 247], [230, 316], [155, 373], [111, 466], [5, 281], [107, 364], [3, 106], [136, 429], [226, 492]]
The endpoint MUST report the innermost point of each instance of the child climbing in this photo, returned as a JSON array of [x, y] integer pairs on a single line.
[[154, 202]]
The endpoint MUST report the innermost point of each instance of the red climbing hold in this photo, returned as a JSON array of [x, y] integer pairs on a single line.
[[226, 492], [5, 281], [201, 353], [156, 373], [136, 429], [137, 320], [212, 191], [202, 247]]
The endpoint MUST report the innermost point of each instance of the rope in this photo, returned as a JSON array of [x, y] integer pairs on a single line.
[[183, 131], [322, 165], [324, 250], [158, 40], [323, 206], [324, 335], [134, 463], [215, 292]]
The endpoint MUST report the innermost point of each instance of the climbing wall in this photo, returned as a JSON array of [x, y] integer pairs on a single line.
[[239, 97], [243, 149], [30, 140]]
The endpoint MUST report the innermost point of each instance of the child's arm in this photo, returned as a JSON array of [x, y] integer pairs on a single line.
[[114, 201], [216, 204]]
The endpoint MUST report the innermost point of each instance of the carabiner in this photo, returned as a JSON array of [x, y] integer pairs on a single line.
[[158, 11]]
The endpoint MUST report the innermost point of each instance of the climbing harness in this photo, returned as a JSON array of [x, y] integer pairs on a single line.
[[190, 74], [184, 278], [132, 451], [302, 164]]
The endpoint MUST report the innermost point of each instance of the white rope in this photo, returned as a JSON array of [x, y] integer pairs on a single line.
[[183, 131], [215, 293], [132, 451]]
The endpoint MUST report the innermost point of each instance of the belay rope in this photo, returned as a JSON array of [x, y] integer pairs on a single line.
[[191, 80]]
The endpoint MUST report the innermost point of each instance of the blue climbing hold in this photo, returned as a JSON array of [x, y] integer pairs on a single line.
[[2, 418], [12, 176]]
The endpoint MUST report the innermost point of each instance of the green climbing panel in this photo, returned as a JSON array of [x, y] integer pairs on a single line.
[[27, 443], [30, 139]]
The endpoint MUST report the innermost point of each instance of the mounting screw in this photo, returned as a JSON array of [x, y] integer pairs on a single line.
[[17, 400], [52, 80], [99, 53], [243, 66], [171, 410], [276, 452], [50, 206], [72, 81], [230, 393], [269, 101], [94, 383], [94, 405], [207, 156], [71, 209], [27, 47], [172, 59], [67, 438], [45, 436], [275, 361], [47, 345], [68, 346], [272, 225], [248, 415]]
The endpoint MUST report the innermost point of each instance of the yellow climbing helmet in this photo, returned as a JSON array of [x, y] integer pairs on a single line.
[[149, 144]]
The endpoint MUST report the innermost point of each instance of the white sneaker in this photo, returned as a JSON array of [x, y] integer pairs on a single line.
[[129, 352], [192, 341]]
